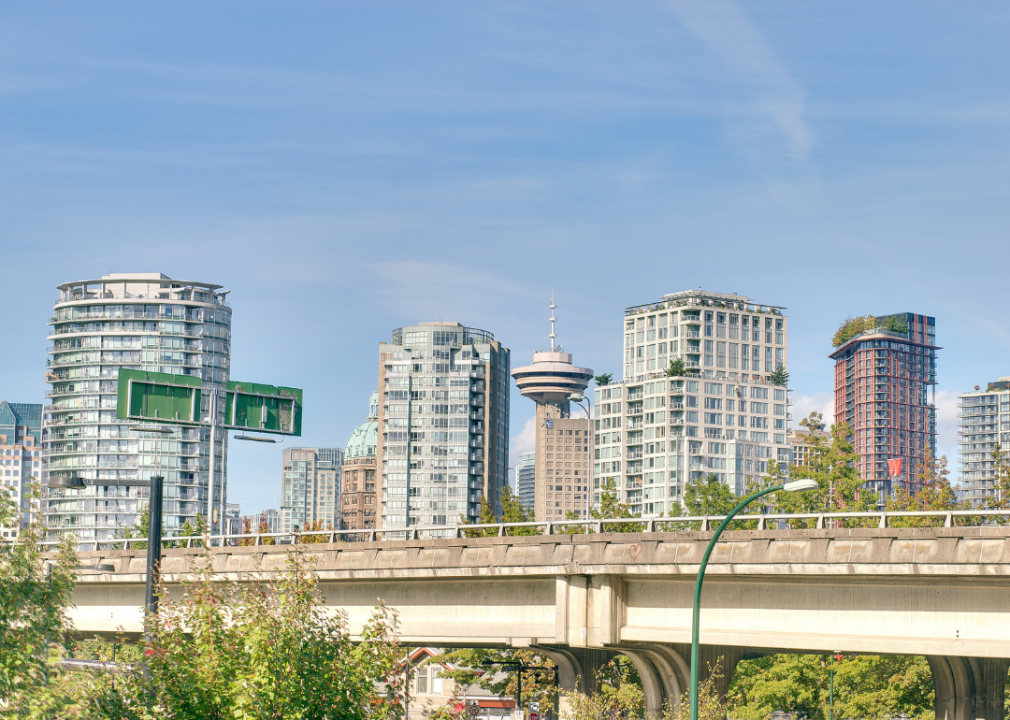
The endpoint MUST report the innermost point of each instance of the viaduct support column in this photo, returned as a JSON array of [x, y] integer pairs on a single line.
[[969, 688]]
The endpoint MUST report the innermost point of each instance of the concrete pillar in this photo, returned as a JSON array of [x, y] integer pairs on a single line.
[[654, 690], [578, 667], [725, 657], [968, 688]]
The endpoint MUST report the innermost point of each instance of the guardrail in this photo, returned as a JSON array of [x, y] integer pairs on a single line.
[[563, 527]]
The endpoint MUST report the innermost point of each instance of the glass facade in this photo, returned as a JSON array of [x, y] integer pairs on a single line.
[[20, 458], [443, 424], [526, 473], [310, 490], [142, 322]]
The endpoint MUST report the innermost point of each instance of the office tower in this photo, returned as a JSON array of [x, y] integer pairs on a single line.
[[358, 497], [884, 368], [310, 491], [719, 412], [20, 459], [983, 421], [232, 518], [562, 441], [526, 473], [443, 424], [139, 321]]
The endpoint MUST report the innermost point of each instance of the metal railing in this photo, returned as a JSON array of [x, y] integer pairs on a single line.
[[704, 523]]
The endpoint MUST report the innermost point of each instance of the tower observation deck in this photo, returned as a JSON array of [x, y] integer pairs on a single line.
[[562, 471]]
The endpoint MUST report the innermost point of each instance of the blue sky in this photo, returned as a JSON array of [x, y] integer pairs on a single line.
[[348, 168]]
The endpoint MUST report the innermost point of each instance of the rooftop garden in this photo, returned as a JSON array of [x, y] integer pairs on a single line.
[[853, 326]]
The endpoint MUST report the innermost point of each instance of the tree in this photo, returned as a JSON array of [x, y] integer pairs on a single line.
[[604, 379], [619, 694], [709, 497], [264, 527], [832, 463], [513, 511], [480, 666], [35, 593], [246, 530], [1001, 479], [676, 368], [269, 649], [866, 686], [935, 493], [611, 507], [779, 376]]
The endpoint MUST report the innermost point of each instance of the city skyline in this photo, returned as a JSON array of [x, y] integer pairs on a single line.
[[393, 175]]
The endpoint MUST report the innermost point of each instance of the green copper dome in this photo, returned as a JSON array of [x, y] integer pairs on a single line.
[[365, 438]]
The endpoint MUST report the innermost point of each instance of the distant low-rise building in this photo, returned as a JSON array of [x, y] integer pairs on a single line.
[[430, 691], [20, 458], [802, 440], [358, 496]]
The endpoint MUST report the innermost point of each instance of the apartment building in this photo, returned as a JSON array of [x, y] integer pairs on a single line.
[[358, 496], [139, 321], [526, 474], [443, 424], [310, 488], [983, 420], [885, 367], [20, 459], [658, 429]]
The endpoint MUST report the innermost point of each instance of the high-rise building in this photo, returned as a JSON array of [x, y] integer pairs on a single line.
[[232, 518], [884, 368], [310, 491], [526, 474], [561, 471], [717, 411], [358, 496], [20, 458], [141, 321], [270, 519], [983, 420], [443, 424]]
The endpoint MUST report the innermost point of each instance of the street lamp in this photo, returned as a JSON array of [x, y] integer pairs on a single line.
[[578, 400], [791, 486]]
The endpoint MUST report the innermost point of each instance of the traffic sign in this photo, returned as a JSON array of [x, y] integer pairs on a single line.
[[474, 710], [534, 707], [534, 716]]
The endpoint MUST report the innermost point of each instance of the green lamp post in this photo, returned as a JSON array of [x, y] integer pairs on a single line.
[[791, 486]]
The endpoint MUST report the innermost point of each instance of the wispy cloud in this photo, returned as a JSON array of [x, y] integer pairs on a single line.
[[739, 44], [821, 402]]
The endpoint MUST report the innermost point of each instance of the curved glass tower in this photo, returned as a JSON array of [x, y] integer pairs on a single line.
[[143, 321]]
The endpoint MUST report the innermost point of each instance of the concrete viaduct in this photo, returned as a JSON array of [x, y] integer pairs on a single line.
[[939, 592]]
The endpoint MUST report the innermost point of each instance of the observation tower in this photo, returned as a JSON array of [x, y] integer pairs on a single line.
[[562, 442]]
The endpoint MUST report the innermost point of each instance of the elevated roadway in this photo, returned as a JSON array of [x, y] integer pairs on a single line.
[[939, 592]]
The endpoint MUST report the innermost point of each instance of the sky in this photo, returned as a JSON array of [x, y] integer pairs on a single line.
[[349, 168]]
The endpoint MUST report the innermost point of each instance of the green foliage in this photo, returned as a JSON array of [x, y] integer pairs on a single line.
[[780, 376], [935, 493], [709, 497], [852, 326], [866, 686], [1001, 479], [513, 511], [618, 694], [269, 650], [710, 705], [604, 379], [470, 668], [832, 463], [611, 507], [676, 368], [36, 590]]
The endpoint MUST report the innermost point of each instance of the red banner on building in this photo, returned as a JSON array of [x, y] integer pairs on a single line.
[[894, 466]]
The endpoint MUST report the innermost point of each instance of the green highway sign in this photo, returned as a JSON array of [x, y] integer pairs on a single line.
[[175, 399], [158, 397], [263, 408]]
